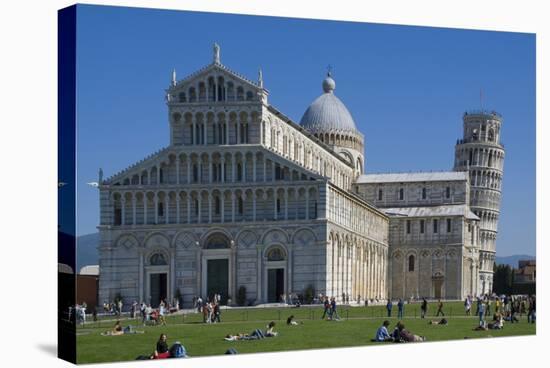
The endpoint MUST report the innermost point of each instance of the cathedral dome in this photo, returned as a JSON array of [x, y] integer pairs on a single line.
[[327, 113]]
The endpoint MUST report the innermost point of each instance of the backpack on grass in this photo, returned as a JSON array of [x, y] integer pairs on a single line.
[[177, 350]]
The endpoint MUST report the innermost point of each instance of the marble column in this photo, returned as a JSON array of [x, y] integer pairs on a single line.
[[178, 216], [177, 170]]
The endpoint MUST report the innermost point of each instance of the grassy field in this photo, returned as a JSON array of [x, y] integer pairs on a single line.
[[357, 326]]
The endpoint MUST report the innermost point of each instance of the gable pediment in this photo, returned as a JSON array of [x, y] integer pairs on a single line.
[[206, 80]]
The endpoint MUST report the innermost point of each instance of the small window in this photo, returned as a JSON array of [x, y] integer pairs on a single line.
[[196, 207], [423, 193], [118, 216], [278, 175], [435, 222], [449, 225], [401, 194], [239, 172], [217, 206], [448, 192], [422, 223], [408, 226], [195, 173], [380, 194], [411, 263], [157, 259], [240, 206], [161, 209], [278, 205], [276, 254]]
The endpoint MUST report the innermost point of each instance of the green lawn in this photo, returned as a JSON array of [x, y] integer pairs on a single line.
[[357, 327]]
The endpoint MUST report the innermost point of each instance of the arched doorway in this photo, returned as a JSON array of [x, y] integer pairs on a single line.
[[276, 270], [157, 278], [216, 266], [438, 281]]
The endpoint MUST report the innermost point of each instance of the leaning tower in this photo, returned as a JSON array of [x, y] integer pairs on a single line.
[[482, 155]]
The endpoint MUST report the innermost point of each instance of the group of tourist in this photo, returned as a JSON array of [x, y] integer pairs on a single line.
[[346, 299], [423, 308], [502, 308], [113, 308], [506, 308], [78, 313], [211, 309], [400, 308], [151, 315], [329, 309], [399, 334]]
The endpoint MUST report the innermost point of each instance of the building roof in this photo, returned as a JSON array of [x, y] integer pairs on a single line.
[[412, 177], [92, 270], [432, 211], [327, 113]]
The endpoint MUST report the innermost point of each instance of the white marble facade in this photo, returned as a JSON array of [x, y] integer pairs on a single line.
[[244, 196]]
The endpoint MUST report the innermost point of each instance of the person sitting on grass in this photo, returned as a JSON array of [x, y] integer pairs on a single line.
[[290, 321], [161, 351], [497, 323], [270, 332], [407, 336], [382, 334]]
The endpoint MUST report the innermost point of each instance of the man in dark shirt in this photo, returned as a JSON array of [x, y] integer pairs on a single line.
[[400, 306], [333, 309], [423, 308], [440, 309], [326, 306], [389, 307]]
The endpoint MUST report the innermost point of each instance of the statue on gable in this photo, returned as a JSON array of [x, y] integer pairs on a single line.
[[216, 53]]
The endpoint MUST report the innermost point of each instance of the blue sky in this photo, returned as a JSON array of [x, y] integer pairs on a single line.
[[406, 87]]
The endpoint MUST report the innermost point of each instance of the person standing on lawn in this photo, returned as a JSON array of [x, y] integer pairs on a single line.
[[326, 307], [400, 307], [440, 309], [389, 307], [481, 313], [423, 308], [333, 312]]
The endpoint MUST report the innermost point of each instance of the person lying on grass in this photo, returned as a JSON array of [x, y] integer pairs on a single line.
[[400, 334], [382, 334], [119, 330], [257, 334], [443, 322]]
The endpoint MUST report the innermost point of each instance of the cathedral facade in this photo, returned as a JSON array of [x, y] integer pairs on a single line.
[[245, 200]]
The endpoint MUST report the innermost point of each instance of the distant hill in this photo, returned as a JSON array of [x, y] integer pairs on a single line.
[[512, 261], [86, 250]]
